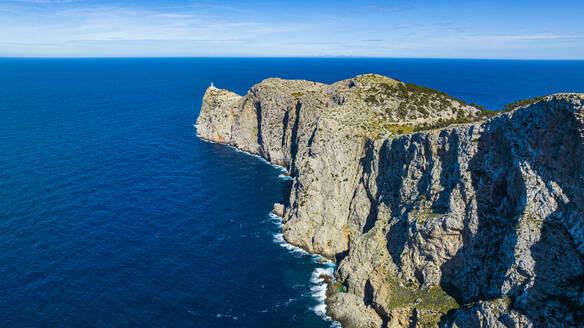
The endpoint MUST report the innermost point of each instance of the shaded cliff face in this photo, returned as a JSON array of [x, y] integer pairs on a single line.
[[477, 224]]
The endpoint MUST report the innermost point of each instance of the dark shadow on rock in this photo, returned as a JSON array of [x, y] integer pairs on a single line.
[[447, 318], [555, 299], [311, 139], [478, 269], [548, 139], [425, 149], [368, 291], [286, 191], [260, 140], [396, 240], [392, 158], [340, 256], [395, 158], [366, 163], [450, 175], [414, 319], [294, 139], [285, 127]]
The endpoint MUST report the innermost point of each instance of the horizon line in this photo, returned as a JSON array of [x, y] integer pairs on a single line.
[[288, 57]]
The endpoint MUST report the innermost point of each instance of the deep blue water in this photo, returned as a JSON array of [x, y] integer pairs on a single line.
[[113, 213]]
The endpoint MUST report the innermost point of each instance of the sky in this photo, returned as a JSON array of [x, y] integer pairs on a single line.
[[512, 29]]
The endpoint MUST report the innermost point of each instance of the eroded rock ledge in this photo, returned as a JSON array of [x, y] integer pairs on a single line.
[[436, 212]]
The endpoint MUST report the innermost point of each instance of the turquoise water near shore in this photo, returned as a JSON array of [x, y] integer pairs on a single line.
[[114, 214]]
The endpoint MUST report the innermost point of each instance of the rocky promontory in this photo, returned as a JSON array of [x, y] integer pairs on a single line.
[[438, 213]]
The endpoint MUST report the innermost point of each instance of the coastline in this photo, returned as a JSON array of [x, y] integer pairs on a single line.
[[324, 266]]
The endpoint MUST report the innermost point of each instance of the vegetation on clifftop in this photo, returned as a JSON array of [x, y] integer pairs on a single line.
[[521, 103], [406, 294], [384, 107]]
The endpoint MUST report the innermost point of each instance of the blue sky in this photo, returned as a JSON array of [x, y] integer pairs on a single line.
[[517, 29]]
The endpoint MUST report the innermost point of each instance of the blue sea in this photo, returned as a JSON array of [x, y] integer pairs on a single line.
[[114, 214]]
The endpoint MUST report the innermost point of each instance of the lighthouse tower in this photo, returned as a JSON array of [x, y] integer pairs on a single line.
[[212, 86]]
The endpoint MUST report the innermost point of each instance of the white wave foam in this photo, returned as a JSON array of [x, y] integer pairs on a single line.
[[285, 177], [276, 220], [279, 167], [219, 315], [316, 278], [318, 291], [205, 140], [285, 303], [278, 305], [317, 258], [320, 310], [318, 286], [279, 239], [282, 176]]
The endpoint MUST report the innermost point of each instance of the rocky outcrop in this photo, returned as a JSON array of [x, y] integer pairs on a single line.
[[278, 209], [435, 213]]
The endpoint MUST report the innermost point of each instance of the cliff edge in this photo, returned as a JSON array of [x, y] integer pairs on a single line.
[[438, 213]]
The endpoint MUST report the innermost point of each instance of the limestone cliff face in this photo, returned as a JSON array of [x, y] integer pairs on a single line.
[[476, 224]]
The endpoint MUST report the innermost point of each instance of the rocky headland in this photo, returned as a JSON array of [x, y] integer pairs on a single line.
[[438, 213]]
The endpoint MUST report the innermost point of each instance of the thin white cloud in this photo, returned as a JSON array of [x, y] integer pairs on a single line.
[[528, 37], [383, 8], [46, 1]]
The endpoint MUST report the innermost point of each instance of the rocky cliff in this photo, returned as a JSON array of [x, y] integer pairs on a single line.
[[437, 212]]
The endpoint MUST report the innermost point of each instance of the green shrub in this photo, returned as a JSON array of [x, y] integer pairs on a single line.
[[521, 103]]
